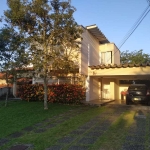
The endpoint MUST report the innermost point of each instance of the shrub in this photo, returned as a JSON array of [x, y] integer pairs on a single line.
[[62, 93]]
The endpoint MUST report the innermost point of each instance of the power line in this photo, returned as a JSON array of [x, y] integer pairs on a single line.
[[137, 23], [148, 1]]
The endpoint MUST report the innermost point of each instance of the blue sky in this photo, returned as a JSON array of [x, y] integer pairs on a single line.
[[114, 18]]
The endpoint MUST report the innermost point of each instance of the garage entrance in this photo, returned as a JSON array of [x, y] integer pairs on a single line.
[[106, 82]]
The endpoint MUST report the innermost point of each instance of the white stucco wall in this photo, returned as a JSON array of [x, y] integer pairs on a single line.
[[128, 71], [110, 88], [116, 54], [113, 48], [92, 89], [89, 51]]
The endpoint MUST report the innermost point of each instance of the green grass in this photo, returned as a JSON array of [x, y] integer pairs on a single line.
[[20, 114], [115, 136]]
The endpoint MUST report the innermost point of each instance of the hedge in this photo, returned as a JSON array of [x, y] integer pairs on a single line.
[[62, 93]]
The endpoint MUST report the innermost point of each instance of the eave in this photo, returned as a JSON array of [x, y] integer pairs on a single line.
[[96, 32]]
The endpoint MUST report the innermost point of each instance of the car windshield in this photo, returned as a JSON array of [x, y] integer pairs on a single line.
[[137, 88]]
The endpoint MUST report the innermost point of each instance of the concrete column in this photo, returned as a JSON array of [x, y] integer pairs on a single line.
[[112, 90], [33, 80], [100, 88], [94, 92], [87, 85], [92, 88], [116, 89]]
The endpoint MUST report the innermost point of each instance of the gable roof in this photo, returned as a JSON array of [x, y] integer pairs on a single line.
[[96, 32]]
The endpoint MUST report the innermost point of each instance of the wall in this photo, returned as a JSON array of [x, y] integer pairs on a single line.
[[2, 81], [89, 51], [109, 88], [122, 88], [95, 89], [92, 89], [126, 72], [116, 55], [110, 47], [106, 88]]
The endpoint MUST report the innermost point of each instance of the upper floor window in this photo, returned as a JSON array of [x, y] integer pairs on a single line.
[[106, 57]]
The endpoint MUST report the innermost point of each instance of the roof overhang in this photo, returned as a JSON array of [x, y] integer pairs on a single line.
[[123, 70], [95, 31]]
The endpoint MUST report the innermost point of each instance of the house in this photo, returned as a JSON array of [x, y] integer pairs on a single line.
[[100, 61], [2, 81], [22, 79], [95, 49], [3, 85], [99, 68]]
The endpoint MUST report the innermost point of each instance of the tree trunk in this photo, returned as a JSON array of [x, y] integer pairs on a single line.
[[14, 87], [45, 93], [6, 100]]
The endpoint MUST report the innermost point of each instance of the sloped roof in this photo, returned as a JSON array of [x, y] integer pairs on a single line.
[[118, 66], [2, 76], [96, 32]]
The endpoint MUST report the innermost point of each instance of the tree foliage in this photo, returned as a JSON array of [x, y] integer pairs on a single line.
[[12, 52], [134, 57], [12, 49], [52, 32]]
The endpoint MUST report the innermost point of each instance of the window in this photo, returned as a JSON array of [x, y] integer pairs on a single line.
[[106, 57]]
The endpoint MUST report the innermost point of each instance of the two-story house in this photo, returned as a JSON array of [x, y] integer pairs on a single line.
[[99, 68], [97, 50], [100, 61]]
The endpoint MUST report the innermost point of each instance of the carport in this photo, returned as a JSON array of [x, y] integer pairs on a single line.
[[103, 81]]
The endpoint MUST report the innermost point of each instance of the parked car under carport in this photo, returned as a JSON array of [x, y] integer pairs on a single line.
[[138, 93]]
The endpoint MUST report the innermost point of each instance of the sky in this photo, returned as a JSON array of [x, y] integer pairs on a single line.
[[114, 18]]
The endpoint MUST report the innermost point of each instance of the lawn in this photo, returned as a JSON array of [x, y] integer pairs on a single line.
[[58, 122], [20, 114]]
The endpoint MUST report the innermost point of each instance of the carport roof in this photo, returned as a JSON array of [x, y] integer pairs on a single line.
[[118, 66]]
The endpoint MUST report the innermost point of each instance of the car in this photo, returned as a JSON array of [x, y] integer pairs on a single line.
[[138, 93]]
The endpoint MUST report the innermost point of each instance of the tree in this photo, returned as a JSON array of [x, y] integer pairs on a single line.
[[51, 30], [134, 57], [12, 53]]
